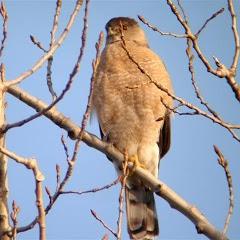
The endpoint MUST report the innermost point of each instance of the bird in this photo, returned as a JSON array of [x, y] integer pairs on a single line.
[[134, 114]]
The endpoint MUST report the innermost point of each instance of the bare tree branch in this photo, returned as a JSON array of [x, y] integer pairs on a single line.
[[222, 71], [55, 21], [98, 189], [196, 89], [37, 43], [154, 28], [32, 164], [224, 163], [55, 46], [58, 176], [14, 215], [208, 20], [67, 87], [180, 100], [125, 173], [103, 223], [4, 14], [236, 36], [52, 41], [4, 212], [159, 187], [65, 148]]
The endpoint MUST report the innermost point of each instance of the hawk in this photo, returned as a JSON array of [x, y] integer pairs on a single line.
[[134, 114]]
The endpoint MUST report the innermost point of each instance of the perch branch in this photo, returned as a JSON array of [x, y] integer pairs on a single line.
[[191, 212]]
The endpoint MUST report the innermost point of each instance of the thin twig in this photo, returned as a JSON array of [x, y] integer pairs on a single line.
[[52, 41], [182, 10], [64, 91], [196, 88], [55, 21], [49, 79], [236, 36], [222, 71], [65, 148], [32, 164], [180, 100], [37, 43], [94, 190], [49, 194], [224, 163], [73, 159], [55, 46], [4, 14], [14, 215], [58, 176], [103, 223], [154, 28], [209, 19], [125, 173]]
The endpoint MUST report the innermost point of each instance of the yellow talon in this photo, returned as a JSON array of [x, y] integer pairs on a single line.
[[136, 163]]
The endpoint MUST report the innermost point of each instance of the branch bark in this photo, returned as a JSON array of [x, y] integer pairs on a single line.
[[203, 226], [4, 213]]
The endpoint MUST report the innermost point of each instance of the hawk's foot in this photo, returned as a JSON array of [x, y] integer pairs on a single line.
[[136, 163]]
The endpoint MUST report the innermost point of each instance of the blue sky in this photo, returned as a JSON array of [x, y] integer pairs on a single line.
[[190, 168]]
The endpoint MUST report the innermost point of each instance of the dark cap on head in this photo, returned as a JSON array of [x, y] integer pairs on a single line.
[[123, 20]]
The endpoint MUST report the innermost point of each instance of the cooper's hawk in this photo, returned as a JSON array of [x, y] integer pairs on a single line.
[[134, 113]]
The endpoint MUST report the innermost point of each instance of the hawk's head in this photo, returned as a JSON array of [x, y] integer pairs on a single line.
[[126, 28]]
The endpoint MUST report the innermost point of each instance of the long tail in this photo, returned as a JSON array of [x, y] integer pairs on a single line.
[[141, 213]]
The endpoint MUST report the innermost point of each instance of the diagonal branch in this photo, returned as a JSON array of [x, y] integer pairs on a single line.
[[222, 71], [192, 213], [54, 47], [154, 28], [67, 87], [180, 100], [209, 19], [103, 223]]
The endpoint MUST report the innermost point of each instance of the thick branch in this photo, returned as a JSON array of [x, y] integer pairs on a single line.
[[32, 164], [191, 212], [4, 213]]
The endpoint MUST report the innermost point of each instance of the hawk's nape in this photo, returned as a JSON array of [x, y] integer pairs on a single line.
[[131, 114]]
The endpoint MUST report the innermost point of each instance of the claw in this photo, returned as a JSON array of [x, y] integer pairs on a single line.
[[136, 163]]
